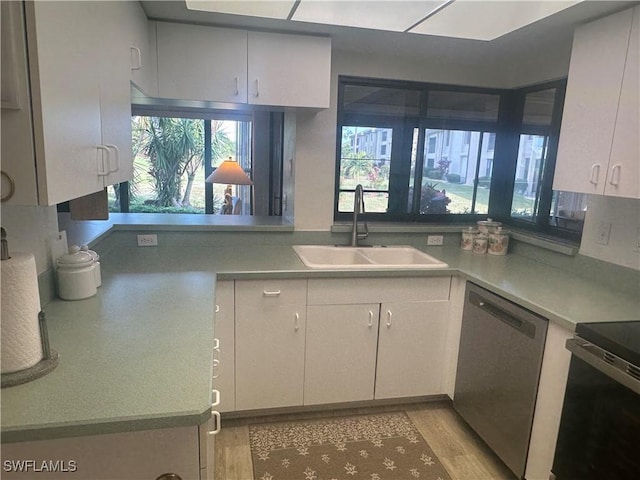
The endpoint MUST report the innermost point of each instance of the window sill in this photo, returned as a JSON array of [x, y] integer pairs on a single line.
[[556, 245], [89, 232]]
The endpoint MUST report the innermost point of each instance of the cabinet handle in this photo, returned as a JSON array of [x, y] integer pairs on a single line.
[[370, 319], [216, 402], [137, 65], [615, 175], [216, 415], [389, 315], [271, 293], [117, 162], [12, 186], [257, 87], [297, 326], [595, 173], [216, 344], [216, 365], [104, 172], [237, 90], [217, 308], [169, 476]]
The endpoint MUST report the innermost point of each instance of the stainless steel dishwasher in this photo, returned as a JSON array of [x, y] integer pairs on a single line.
[[501, 346]]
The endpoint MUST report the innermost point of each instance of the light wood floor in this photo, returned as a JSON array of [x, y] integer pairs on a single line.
[[461, 451]]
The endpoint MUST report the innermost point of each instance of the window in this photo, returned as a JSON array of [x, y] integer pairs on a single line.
[[453, 154], [174, 154]]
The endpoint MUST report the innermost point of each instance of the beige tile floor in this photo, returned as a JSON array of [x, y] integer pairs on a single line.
[[460, 450]]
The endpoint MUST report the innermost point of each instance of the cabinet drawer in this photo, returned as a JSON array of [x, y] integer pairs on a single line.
[[265, 293], [377, 290]]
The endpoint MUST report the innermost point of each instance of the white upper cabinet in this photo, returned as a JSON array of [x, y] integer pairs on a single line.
[[289, 70], [236, 66], [66, 97], [624, 165], [142, 51], [202, 63], [598, 149], [78, 138]]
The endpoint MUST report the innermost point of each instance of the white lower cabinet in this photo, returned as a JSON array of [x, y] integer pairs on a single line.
[[270, 343], [321, 341], [224, 355], [340, 357], [411, 348], [137, 455]]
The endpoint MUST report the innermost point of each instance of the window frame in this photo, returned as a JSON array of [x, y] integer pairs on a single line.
[[507, 128]]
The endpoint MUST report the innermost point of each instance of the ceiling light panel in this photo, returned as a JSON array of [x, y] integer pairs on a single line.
[[487, 20], [254, 8], [394, 15]]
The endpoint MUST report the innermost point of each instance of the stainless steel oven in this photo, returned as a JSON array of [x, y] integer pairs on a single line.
[[599, 435]]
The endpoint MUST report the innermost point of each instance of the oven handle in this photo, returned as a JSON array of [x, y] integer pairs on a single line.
[[605, 362]]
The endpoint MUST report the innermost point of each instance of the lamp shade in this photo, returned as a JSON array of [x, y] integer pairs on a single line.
[[230, 173]]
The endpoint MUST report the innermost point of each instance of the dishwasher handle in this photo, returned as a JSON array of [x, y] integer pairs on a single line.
[[519, 324]]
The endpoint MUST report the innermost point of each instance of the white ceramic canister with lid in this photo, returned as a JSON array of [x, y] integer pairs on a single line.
[[76, 275], [466, 242], [480, 242], [498, 241], [96, 262], [487, 226]]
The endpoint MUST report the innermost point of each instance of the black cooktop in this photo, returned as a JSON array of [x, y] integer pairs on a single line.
[[620, 338]]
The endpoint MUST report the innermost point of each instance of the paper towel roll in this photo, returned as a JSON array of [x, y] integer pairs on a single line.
[[19, 328]]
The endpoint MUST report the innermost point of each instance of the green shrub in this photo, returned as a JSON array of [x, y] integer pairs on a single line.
[[520, 186], [484, 182], [453, 178], [434, 173]]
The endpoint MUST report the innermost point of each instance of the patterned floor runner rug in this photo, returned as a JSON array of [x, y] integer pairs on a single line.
[[371, 447]]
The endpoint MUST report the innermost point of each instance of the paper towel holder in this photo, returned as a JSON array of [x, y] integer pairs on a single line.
[[49, 362]]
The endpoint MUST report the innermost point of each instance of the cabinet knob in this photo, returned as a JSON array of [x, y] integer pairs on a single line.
[[169, 476]]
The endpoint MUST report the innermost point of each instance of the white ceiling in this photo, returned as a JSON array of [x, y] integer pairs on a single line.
[[382, 29]]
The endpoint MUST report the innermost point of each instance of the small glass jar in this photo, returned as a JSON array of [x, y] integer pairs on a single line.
[[466, 242], [498, 242], [480, 242]]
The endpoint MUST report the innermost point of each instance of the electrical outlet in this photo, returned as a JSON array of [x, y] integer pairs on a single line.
[[604, 230], [150, 240], [435, 239]]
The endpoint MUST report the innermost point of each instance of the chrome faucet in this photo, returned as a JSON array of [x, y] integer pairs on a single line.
[[358, 208]]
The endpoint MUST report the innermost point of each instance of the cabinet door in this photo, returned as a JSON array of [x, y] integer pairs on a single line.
[[289, 70], [17, 141], [126, 456], [65, 94], [270, 336], [624, 164], [411, 349], [340, 360], [113, 55], [143, 53], [591, 103], [202, 63], [224, 358]]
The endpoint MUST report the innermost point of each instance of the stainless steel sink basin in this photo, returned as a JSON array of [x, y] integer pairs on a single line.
[[327, 256]]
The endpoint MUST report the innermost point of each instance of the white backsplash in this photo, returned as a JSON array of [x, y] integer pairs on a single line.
[[624, 216]]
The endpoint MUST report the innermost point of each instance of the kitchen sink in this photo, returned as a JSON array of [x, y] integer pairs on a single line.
[[328, 256]]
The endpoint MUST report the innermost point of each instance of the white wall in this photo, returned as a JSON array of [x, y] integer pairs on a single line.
[[624, 216], [31, 230]]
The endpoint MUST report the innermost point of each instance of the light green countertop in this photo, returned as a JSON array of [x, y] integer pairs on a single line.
[[138, 355]]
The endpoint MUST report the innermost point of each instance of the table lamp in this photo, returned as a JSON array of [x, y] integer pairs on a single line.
[[230, 173]]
